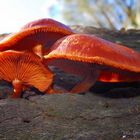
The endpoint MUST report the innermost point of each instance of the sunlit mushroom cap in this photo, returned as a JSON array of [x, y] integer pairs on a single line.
[[31, 37], [93, 50], [26, 68], [86, 48], [46, 22]]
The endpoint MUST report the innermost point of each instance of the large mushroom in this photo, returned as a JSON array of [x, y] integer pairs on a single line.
[[37, 36], [94, 59], [24, 70]]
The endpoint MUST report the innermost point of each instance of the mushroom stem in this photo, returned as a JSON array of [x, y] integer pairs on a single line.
[[88, 81], [17, 85], [38, 50], [88, 74]]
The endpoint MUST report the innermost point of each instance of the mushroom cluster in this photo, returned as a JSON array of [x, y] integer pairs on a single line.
[[26, 56], [21, 55]]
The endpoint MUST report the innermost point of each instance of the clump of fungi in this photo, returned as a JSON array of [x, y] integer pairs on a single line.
[[21, 55], [26, 55]]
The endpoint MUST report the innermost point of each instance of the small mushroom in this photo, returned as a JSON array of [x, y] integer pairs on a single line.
[[24, 70], [94, 59], [38, 37]]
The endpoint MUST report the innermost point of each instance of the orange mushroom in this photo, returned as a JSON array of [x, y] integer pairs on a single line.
[[24, 70], [37, 36], [94, 59]]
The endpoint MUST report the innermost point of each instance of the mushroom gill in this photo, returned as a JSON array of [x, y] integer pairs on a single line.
[[24, 70]]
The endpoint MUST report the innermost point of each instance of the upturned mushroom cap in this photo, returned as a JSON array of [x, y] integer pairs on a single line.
[[24, 70], [36, 37], [46, 22], [115, 62]]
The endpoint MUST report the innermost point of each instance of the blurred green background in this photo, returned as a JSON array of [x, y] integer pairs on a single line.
[[112, 14]]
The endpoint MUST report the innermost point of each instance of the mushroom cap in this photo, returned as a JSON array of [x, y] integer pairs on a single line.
[[29, 38], [46, 22], [113, 60], [24, 67]]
